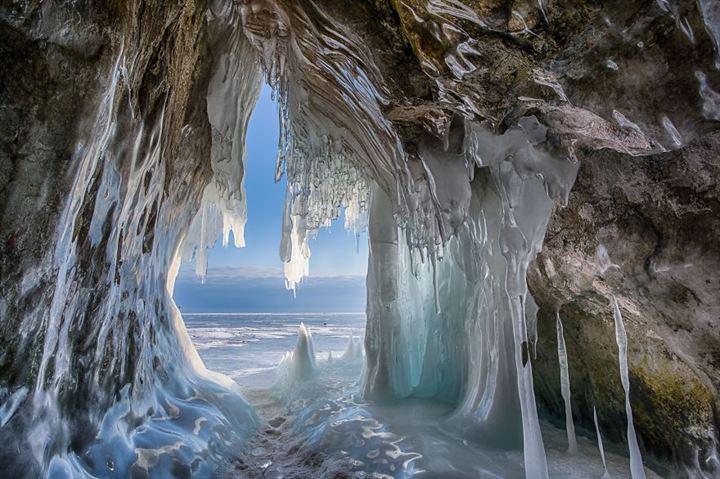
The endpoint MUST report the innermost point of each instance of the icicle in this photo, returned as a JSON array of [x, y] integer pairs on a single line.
[[542, 9], [565, 386], [637, 470], [531, 310], [600, 444], [436, 287]]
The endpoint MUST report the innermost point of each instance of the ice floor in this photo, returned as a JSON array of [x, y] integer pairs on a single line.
[[322, 428]]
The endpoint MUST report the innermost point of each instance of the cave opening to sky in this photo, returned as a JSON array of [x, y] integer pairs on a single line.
[[250, 279], [241, 316]]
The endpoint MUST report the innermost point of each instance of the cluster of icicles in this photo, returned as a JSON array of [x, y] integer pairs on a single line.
[[637, 469]]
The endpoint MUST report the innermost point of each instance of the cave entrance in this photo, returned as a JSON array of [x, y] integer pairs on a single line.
[[241, 318]]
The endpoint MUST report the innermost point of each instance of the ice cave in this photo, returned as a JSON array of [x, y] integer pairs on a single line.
[[536, 181]]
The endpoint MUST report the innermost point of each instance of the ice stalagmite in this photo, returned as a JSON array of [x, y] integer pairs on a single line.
[[636, 465], [600, 444], [299, 365], [353, 349], [565, 386]]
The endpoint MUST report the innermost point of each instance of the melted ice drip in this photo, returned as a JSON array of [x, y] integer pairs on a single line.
[[636, 465], [565, 386]]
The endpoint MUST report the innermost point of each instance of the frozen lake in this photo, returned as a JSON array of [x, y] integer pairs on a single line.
[[248, 347]]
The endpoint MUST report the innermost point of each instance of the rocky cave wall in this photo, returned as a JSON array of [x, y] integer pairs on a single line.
[[641, 229]]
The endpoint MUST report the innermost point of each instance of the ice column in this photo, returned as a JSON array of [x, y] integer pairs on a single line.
[[493, 196]]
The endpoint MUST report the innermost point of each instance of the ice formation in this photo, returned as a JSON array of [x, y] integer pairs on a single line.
[[601, 449], [300, 364], [456, 196], [636, 464], [353, 349], [506, 187], [142, 363], [231, 96], [565, 386], [11, 404]]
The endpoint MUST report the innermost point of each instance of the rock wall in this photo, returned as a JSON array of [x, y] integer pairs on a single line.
[[641, 229]]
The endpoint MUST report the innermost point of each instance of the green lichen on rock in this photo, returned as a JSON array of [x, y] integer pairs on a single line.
[[672, 404]]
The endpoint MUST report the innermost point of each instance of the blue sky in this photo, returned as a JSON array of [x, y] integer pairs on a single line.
[[334, 253]]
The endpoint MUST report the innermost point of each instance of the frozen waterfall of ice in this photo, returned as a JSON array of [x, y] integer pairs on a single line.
[[146, 398]]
